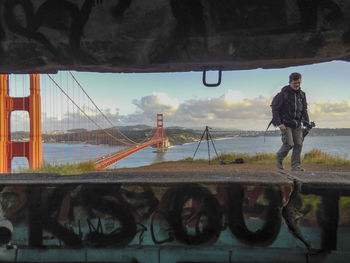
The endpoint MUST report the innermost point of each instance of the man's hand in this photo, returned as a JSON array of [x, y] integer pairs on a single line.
[[282, 127]]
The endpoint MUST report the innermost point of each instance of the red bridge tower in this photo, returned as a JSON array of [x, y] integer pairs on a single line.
[[160, 132], [9, 149]]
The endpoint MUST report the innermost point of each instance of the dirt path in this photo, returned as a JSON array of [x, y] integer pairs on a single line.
[[246, 167]]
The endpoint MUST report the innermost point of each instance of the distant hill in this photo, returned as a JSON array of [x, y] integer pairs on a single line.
[[176, 135], [317, 132], [181, 136], [134, 127], [77, 130], [330, 132], [136, 133]]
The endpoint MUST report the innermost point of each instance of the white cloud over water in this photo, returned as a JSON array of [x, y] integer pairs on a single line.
[[235, 110], [331, 113], [230, 110]]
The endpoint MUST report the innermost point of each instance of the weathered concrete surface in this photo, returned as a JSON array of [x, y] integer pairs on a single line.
[[175, 217], [170, 35], [329, 179], [150, 177]]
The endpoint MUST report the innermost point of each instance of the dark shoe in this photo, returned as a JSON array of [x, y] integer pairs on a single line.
[[298, 169], [279, 164]]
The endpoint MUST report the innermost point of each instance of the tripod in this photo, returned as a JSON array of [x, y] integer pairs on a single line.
[[208, 137]]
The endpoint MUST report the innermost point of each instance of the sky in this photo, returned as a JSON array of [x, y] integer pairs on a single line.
[[242, 101]]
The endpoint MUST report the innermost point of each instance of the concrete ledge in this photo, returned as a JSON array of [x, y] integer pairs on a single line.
[[8, 255], [170, 254], [339, 179], [130, 254], [51, 255]]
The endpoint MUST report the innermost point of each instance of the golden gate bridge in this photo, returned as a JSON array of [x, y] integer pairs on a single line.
[[59, 112]]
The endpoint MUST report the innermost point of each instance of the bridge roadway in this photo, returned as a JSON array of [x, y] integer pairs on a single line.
[[111, 158]]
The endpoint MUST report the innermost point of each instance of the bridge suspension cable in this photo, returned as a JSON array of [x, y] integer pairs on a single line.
[[72, 128], [87, 116], [104, 116]]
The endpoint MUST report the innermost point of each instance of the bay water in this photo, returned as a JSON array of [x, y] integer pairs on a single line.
[[65, 153], [334, 145]]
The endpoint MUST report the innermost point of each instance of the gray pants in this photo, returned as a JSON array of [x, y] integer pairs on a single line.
[[291, 138]]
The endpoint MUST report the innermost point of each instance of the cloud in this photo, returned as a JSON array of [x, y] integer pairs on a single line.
[[234, 110], [230, 110], [156, 103], [331, 113]]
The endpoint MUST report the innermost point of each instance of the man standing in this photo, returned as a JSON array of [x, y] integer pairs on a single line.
[[289, 111]]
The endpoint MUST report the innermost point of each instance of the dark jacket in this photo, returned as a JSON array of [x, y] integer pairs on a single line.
[[290, 108]]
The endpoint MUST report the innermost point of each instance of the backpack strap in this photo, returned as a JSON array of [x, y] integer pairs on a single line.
[[268, 126], [284, 95]]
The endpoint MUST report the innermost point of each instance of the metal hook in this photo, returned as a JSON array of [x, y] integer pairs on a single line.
[[211, 84]]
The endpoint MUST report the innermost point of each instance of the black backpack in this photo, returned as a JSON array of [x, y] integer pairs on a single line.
[[274, 100]]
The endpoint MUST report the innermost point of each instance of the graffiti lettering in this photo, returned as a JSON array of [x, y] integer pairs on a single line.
[[111, 215], [269, 231], [204, 214], [327, 214], [59, 15], [2, 32], [189, 15], [190, 20], [35, 223], [170, 234], [5, 236], [327, 218], [50, 215], [120, 8], [6, 226], [310, 11], [144, 203], [94, 197], [13, 202]]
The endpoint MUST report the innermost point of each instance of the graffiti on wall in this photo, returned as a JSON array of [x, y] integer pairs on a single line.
[[60, 15], [119, 9], [61, 25], [199, 20], [2, 32], [105, 215], [315, 14]]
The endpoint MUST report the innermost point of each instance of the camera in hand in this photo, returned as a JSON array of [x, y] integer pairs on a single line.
[[307, 127]]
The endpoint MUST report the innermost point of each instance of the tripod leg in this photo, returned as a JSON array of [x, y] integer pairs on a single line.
[[198, 145], [211, 139], [207, 137]]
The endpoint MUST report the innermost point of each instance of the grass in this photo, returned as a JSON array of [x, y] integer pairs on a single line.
[[63, 169], [199, 160], [318, 157], [315, 156]]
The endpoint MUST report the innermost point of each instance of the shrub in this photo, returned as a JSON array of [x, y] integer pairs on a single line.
[[63, 169], [315, 156], [318, 157]]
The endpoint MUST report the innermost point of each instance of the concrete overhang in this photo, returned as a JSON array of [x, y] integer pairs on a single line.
[[168, 36]]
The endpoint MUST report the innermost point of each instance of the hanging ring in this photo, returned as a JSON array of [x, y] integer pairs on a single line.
[[211, 84]]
